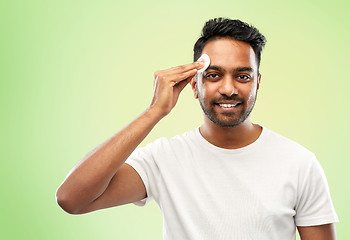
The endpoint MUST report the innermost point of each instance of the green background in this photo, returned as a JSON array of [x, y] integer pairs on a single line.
[[75, 72]]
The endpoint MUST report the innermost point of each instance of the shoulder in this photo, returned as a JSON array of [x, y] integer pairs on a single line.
[[287, 147], [283, 142], [176, 142]]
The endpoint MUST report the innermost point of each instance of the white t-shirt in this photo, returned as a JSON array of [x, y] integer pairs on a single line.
[[261, 191]]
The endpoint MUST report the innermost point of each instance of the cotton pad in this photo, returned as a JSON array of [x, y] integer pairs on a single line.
[[206, 63]]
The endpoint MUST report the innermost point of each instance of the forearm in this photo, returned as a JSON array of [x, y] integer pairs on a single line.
[[91, 176]]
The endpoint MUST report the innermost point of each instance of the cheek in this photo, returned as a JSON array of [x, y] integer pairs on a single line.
[[252, 93], [207, 91], [201, 90], [251, 97]]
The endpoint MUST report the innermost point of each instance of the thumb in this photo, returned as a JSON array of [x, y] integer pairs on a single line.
[[181, 85]]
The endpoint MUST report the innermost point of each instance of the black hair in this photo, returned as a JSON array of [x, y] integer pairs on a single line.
[[227, 28]]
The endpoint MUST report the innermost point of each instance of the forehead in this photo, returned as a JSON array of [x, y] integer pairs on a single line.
[[230, 54]]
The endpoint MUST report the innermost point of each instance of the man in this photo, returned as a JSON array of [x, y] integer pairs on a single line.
[[227, 179]]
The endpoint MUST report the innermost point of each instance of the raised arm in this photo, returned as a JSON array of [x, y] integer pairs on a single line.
[[102, 179]]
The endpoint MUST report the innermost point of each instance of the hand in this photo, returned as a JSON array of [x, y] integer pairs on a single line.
[[169, 83]]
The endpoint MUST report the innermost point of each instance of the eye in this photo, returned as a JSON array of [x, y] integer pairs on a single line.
[[244, 77], [212, 76]]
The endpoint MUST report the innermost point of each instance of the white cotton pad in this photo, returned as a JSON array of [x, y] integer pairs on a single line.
[[206, 63]]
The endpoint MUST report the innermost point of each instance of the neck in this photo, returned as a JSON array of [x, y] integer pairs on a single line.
[[230, 137]]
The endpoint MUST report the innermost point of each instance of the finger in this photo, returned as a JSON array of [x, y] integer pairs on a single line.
[[181, 85], [176, 78], [187, 67], [180, 69]]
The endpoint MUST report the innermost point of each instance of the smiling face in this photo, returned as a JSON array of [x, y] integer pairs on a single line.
[[228, 88]]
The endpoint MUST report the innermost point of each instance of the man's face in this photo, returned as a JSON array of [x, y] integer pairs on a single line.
[[227, 91]]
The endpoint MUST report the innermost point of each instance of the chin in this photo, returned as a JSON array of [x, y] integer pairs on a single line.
[[227, 125]]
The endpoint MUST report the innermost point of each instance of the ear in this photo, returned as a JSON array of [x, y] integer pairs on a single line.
[[259, 81], [194, 86]]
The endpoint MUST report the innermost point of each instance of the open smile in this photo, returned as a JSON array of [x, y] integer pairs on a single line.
[[228, 106]]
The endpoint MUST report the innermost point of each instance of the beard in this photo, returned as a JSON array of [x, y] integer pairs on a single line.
[[227, 119]]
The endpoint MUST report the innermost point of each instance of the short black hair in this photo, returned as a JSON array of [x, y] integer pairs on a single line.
[[227, 28]]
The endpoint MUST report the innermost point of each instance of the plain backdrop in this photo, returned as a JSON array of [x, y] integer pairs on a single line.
[[73, 73]]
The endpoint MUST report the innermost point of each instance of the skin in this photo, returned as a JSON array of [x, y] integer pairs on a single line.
[[319, 232], [102, 179]]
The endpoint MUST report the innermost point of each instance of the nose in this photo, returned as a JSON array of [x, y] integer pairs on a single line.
[[227, 87]]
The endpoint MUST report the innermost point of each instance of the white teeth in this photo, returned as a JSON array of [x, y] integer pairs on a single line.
[[227, 105]]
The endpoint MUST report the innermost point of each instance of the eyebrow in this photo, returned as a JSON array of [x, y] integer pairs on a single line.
[[236, 70]]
